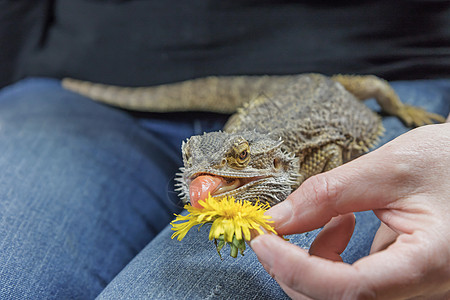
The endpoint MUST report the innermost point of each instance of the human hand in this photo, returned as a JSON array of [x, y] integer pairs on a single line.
[[406, 183]]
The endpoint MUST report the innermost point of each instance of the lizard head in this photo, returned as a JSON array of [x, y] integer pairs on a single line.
[[246, 165]]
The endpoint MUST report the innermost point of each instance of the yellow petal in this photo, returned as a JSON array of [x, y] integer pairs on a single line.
[[229, 218]]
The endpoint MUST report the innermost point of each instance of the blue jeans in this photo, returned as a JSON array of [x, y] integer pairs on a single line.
[[86, 195]]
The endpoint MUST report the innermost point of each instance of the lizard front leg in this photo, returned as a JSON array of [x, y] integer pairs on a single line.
[[370, 86], [320, 160]]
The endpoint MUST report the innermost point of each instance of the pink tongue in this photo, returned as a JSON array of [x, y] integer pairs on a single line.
[[201, 186]]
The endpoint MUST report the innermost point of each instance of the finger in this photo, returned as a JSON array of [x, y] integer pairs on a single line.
[[370, 182], [334, 238], [383, 238], [342, 190], [302, 274], [292, 293], [379, 275]]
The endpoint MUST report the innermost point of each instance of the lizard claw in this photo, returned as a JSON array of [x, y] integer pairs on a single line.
[[416, 116]]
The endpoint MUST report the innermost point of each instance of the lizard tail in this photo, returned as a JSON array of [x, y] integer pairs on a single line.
[[214, 94]]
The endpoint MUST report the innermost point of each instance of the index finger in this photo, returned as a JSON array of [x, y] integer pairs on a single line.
[[367, 183]]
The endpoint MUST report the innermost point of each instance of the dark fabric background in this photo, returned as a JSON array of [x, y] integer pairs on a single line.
[[151, 42]]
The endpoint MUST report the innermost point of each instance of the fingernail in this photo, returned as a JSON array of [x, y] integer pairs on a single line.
[[262, 248]]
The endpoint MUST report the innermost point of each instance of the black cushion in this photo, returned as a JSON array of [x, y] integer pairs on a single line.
[[152, 42]]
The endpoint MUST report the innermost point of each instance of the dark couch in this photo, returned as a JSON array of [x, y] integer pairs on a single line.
[[150, 42]]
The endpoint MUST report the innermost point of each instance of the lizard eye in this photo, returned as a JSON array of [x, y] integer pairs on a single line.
[[243, 155], [239, 156]]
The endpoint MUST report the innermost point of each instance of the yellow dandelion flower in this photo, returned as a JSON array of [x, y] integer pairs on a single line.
[[231, 221]]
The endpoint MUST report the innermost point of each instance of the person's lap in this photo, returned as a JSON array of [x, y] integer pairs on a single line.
[[84, 187]]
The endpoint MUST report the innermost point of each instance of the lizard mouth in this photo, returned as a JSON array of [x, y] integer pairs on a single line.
[[204, 184]]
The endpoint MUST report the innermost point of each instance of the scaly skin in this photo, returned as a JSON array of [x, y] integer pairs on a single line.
[[294, 126], [227, 93], [314, 125]]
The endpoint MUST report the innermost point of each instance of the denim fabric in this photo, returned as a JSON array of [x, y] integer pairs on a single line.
[[85, 188]]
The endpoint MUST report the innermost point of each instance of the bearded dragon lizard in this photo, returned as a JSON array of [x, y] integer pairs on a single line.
[[287, 129]]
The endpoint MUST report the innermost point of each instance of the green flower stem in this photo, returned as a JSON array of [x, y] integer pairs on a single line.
[[235, 246]]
